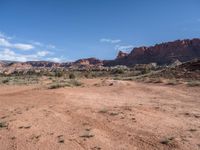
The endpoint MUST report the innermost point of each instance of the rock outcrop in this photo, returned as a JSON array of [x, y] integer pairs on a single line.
[[161, 54], [121, 55], [88, 62], [164, 53]]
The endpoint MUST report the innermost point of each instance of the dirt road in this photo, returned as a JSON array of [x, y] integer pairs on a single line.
[[102, 115]]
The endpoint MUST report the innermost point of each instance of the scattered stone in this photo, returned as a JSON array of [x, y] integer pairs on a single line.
[[13, 138], [133, 118], [27, 127], [3, 125], [193, 130], [96, 148], [122, 117], [187, 114], [3, 117], [114, 113], [166, 141], [88, 129], [111, 84], [61, 139], [86, 134], [36, 137], [103, 111], [21, 127], [197, 116]]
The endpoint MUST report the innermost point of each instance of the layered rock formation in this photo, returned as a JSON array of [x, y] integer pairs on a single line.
[[88, 61], [161, 54], [121, 55], [164, 53]]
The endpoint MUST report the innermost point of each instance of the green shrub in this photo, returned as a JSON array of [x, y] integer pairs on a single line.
[[57, 85], [145, 71], [72, 76], [75, 83], [5, 81], [172, 82], [117, 71], [193, 83], [3, 125], [59, 73]]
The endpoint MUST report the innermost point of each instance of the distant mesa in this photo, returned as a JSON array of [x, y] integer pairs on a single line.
[[164, 53], [89, 61], [169, 53]]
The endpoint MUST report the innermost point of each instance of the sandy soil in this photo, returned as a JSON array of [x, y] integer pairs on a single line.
[[102, 115]]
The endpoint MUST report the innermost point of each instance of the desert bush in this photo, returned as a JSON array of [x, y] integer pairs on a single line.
[[193, 83], [103, 110], [57, 85], [172, 82], [145, 71], [86, 75], [62, 83], [167, 141], [157, 80], [72, 76], [75, 83], [117, 71], [59, 73], [3, 125], [4, 81]]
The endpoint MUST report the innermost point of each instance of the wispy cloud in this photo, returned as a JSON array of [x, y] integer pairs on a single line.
[[43, 53], [26, 51], [2, 35], [55, 59], [8, 54], [36, 43], [21, 46], [124, 47], [112, 41], [49, 46]]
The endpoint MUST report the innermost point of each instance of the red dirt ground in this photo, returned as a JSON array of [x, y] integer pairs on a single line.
[[109, 115]]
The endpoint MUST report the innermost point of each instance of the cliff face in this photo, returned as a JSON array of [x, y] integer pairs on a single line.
[[88, 62], [165, 53], [121, 55], [42, 64]]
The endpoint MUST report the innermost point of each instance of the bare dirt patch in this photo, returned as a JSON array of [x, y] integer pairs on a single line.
[[113, 115]]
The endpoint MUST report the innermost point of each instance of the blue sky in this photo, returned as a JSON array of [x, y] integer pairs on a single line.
[[66, 30]]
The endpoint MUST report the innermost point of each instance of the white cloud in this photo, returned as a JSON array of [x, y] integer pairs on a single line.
[[51, 46], [124, 47], [22, 46], [5, 43], [2, 35], [8, 54], [10, 50], [43, 53], [55, 59], [39, 44], [105, 40], [36, 43]]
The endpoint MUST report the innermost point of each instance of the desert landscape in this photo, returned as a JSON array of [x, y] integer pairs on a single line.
[[101, 110], [115, 115], [99, 75]]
